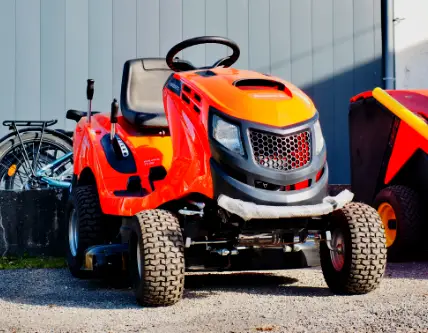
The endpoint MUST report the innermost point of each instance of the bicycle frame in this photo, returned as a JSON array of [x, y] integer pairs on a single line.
[[53, 181]]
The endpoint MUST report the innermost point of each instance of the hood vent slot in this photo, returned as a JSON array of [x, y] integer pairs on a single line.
[[206, 73], [261, 84]]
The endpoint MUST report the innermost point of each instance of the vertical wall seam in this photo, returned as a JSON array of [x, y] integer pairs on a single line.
[[270, 38], [269, 33], [227, 25], [205, 46], [353, 46], [312, 48], [112, 48], [14, 98], [136, 29], [89, 49], [182, 21], [65, 60], [291, 38], [40, 59], [248, 34], [374, 2], [333, 26]]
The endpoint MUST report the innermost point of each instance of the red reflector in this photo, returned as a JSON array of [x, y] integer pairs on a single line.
[[319, 174], [303, 184]]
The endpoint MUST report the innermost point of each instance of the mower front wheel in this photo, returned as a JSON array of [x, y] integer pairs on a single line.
[[356, 262], [156, 255]]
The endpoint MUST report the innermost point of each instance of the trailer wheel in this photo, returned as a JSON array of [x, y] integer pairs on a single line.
[[358, 263], [400, 209], [84, 220], [156, 254]]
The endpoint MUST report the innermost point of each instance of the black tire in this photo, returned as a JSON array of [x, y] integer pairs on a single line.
[[7, 156], [364, 258], [84, 203], [161, 279], [407, 207]]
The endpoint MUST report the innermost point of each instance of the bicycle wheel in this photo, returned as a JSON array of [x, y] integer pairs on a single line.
[[18, 161]]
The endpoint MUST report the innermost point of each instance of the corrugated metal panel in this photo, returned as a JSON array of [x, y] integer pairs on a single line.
[[7, 62], [194, 26], [27, 57], [280, 38], [215, 25], [237, 28], [301, 44], [171, 24], [343, 78], [259, 36], [52, 60], [100, 52], [148, 41], [124, 40], [330, 48], [76, 56], [323, 67]]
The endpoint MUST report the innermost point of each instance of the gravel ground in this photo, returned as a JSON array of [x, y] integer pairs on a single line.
[[276, 301]]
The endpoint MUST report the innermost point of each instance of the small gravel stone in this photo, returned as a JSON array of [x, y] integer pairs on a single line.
[[270, 301]]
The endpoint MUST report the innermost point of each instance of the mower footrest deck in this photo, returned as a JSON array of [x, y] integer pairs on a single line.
[[250, 210], [103, 257]]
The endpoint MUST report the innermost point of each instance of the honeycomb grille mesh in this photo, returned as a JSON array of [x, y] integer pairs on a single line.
[[281, 152]]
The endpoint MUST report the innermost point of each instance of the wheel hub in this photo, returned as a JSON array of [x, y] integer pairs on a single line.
[[73, 233], [338, 253], [389, 221]]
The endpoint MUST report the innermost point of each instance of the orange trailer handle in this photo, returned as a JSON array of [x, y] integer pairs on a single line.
[[414, 121]]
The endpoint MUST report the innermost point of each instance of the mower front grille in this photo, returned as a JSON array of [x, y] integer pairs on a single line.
[[281, 152]]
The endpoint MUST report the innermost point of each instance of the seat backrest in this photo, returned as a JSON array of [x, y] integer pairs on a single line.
[[142, 83]]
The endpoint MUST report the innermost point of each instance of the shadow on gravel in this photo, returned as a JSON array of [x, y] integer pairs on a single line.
[[55, 288], [206, 285], [416, 270]]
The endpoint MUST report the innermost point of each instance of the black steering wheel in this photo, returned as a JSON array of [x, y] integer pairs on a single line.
[[179, 65]]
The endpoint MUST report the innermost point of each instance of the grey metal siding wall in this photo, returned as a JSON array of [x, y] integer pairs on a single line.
[[331, 48]]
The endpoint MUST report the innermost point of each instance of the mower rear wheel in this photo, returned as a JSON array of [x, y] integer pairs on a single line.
[[84, 217], [156, 254], [400, 209], [357, 263]]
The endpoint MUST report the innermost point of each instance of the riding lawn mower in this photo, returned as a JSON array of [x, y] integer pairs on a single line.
[[389, 146], [205, 169]]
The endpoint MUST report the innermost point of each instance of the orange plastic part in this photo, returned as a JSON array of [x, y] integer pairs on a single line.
[[186, 152], [264, 106], [407, 141], [412, 132]]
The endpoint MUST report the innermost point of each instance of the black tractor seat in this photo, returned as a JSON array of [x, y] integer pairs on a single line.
[[141, 99], [77, 115]]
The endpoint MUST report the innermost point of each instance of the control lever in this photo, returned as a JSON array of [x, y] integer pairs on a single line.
[[89, 96], [119, 146], [113, 118]]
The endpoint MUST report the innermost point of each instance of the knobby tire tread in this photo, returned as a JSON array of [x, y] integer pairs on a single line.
[[163, 252]]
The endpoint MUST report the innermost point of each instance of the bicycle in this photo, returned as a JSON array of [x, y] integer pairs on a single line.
[[29, 157]]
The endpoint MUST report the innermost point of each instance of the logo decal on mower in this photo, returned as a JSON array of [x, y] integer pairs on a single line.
[[152, 161]]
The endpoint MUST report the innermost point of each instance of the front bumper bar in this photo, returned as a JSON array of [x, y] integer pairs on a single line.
[[249, 210]]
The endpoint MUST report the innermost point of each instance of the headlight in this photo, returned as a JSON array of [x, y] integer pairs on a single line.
[[319, 139], [227, 135]]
